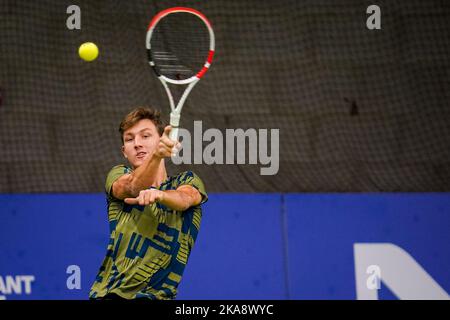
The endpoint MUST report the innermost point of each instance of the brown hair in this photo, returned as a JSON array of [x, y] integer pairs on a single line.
[[139, 114]]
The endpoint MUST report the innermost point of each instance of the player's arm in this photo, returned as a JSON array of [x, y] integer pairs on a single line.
[[130, 185], [180, 200]]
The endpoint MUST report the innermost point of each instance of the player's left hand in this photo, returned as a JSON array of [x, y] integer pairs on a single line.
[[146, 197]]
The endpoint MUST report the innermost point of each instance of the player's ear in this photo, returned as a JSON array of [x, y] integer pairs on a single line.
[[123, 152]]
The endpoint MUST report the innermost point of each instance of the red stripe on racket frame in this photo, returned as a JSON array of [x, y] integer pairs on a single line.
[[202, 72], [177, 9]]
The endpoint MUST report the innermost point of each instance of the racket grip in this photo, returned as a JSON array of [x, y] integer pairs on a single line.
[[173, 135], [174, 122]]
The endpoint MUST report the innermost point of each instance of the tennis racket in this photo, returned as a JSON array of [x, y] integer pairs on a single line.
[[180, 46]]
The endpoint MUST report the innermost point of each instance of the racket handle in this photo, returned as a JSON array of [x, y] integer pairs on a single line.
[[173, 135], [174, 122]]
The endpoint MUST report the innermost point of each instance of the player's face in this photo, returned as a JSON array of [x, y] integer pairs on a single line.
[[140, 142]]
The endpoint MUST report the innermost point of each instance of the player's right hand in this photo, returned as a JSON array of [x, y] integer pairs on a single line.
[[167, 147]]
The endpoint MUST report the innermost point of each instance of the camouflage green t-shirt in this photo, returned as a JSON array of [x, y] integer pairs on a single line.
[[149, 245]]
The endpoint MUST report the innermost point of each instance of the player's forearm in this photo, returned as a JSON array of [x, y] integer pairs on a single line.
[[176, 200], [145, 176]]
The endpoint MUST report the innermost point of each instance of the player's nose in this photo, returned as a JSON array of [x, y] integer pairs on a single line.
[[137, 142]]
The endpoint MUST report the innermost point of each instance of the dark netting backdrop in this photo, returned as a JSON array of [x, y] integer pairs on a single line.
[[358, 110]]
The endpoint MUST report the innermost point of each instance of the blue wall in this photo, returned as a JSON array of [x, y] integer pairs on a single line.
[[250, 246]]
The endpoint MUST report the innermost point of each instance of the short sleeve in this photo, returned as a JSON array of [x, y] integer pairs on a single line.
[[114, 174], [191, 179]]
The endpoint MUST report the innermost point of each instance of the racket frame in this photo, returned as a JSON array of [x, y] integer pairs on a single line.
[[175, 114]]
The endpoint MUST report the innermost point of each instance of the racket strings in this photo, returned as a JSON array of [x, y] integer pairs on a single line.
[[179, 45]]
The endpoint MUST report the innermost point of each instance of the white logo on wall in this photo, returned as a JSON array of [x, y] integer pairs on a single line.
[[235, 146], [74, 280], [373, 281], [373, 22], [403, 275], [73, 22], [19, 284]]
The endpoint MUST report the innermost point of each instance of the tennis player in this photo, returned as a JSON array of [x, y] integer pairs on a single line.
[[153, 218]]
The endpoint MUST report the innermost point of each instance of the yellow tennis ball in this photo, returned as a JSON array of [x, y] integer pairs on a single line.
[[88, 51]]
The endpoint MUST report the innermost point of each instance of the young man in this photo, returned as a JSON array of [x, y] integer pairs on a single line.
[[154, 219]]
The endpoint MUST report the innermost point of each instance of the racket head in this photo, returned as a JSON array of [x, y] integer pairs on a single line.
[[180, 45]]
